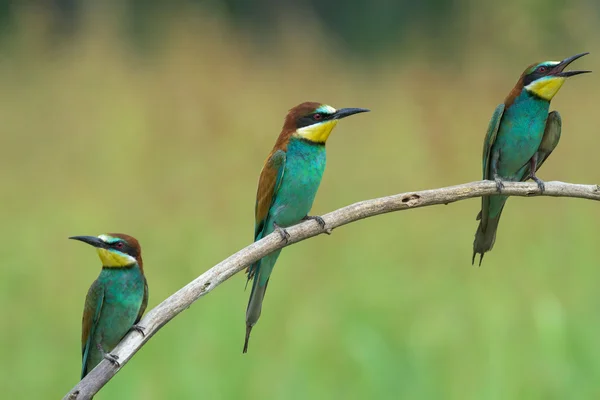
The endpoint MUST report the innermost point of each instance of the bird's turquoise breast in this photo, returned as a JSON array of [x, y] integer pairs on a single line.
[[123, 296], [304, 167], [520, 134]]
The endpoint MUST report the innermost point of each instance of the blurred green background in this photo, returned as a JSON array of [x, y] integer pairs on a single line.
[[154, 119]]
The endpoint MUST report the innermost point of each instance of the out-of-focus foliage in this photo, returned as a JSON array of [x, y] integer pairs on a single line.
[[366, 27], [167, 144]]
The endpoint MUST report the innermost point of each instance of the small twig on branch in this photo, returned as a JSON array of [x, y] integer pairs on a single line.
[[183, 298]]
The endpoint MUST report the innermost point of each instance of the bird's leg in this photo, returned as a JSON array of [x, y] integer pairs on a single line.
[[499, 184], [285, 236], [139, 329], [494, 168], [319, 220], [114, 359], [532, 168]]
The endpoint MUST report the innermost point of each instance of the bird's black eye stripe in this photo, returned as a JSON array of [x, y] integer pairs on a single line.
[[537, 73], [123, 248], [319, 117], [532, 77], [311, 120]]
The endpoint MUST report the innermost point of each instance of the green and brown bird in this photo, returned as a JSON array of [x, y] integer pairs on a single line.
[[520, 137], [287, 186], [116, 300]]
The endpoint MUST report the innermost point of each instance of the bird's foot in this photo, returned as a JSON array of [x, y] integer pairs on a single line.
[[539, 182], [139, 329], [319, 220], [285, 236], [114, 359], [499, 184]]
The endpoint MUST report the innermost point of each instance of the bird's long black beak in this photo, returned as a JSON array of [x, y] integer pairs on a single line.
[[346, 112], [91, 240], [559, 69]]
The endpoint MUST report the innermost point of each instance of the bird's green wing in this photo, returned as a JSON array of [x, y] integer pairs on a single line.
[[490, 138], [488, 142], [549, 142], [144, 302], [268, 185], [91, 315], [551, 137]]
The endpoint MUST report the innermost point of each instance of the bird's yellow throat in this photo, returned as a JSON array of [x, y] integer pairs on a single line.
[[113, 259], [547, 87], [317, 133]]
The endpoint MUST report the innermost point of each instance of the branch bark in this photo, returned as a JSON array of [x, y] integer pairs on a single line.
[[205, 283]]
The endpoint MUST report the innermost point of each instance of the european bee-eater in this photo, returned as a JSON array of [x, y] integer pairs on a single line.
[[520, 137], [287, 186], [116, 300]]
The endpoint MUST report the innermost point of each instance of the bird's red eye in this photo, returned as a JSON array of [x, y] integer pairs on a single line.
[[119, 245], [317, 117], [542, 69]]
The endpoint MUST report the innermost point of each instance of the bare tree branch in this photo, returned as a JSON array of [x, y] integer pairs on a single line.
[[183, 298]]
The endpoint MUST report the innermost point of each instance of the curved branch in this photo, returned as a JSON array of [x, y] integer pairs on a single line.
[[183, 298]]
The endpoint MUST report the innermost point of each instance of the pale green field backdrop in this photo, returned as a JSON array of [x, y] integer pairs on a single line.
[[168, 148]]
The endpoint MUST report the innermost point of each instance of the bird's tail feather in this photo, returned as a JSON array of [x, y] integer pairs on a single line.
[[254, 305], [484, 240]]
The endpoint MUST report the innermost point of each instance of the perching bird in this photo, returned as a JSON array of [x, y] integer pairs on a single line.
[[287, 186], [116, 300], [520, 137]]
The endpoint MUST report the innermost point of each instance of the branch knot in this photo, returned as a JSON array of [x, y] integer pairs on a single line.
[[411, 200]]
